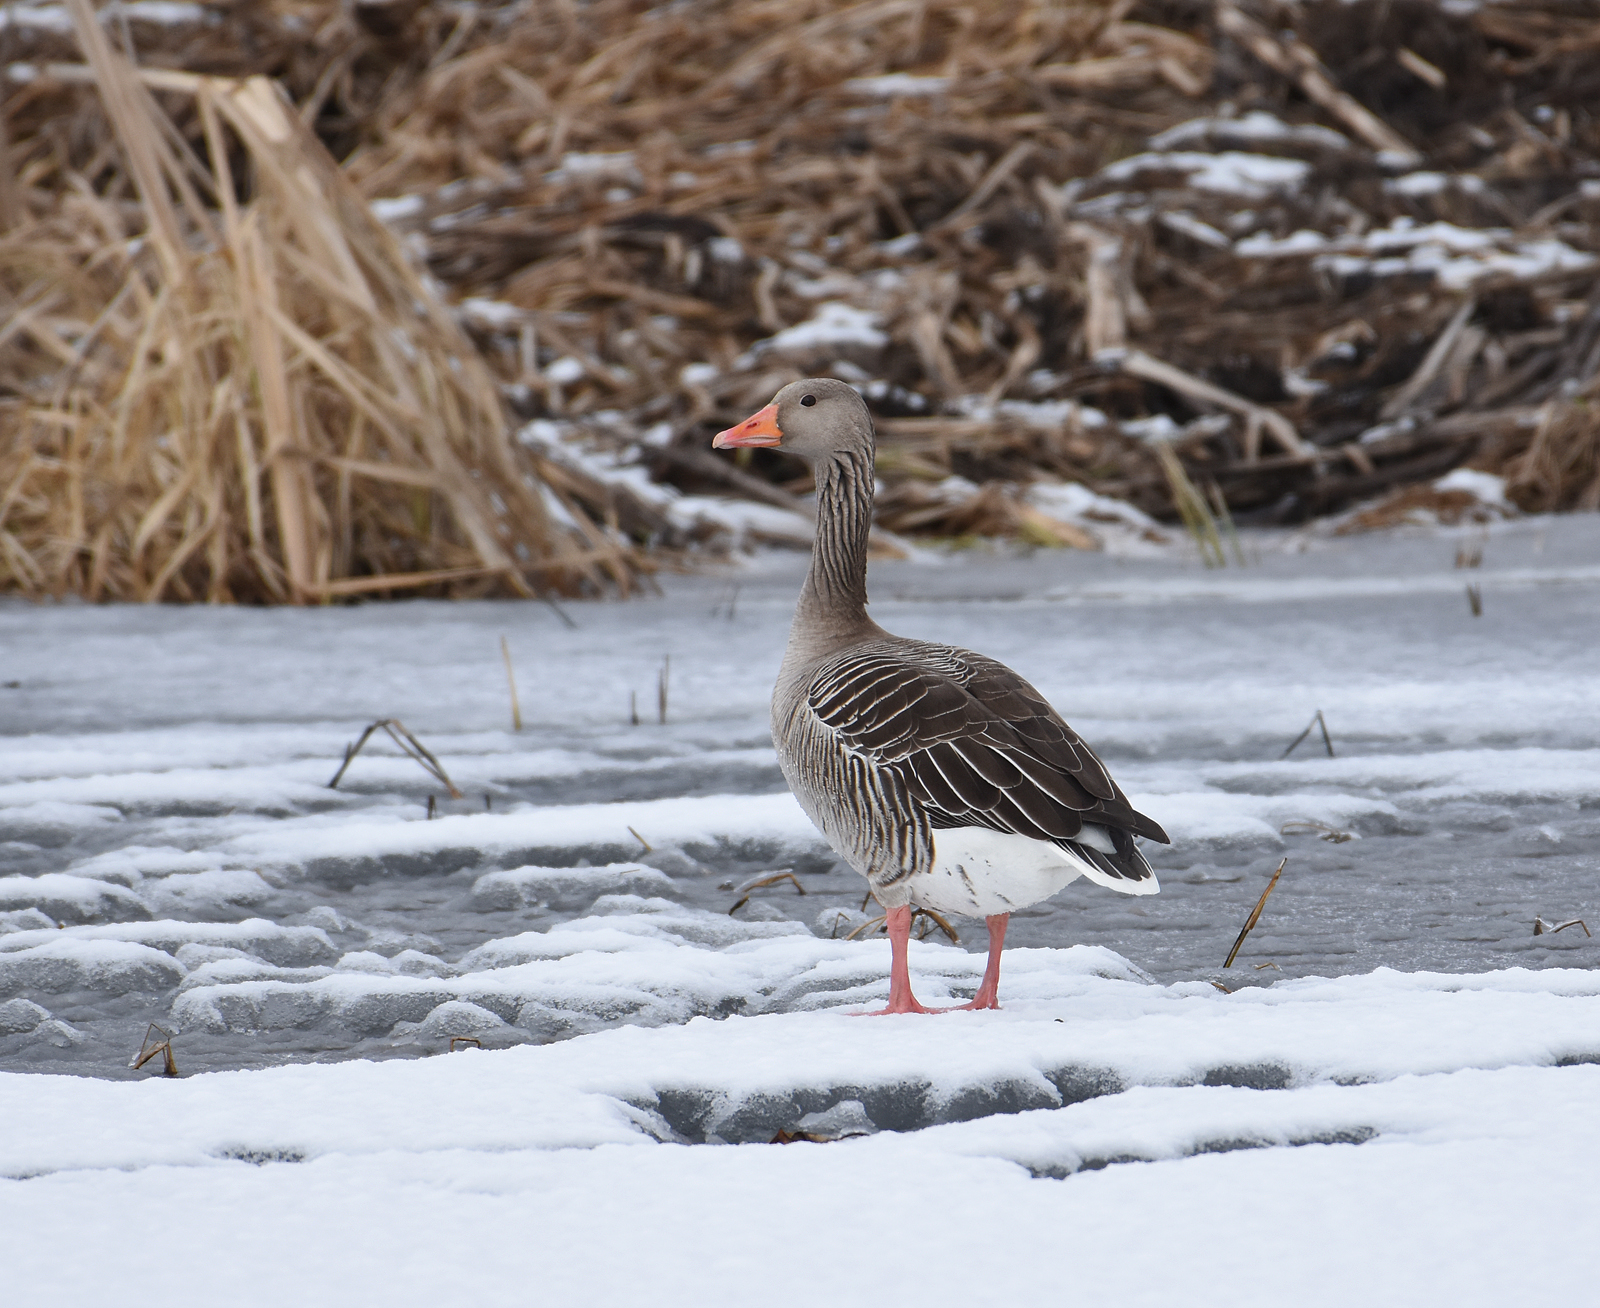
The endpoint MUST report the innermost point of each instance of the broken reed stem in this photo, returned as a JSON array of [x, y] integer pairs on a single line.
[[147, 1051], [1310, 826], [1541, 927], [640, 838], [410, 746], [1317, 721], [1475, 599], [350, 751], [929, 915], [1219, 503], [662, 679], [871, 924], [511, 681], [926, 914], [771, 879], [1192, 508], [1255, 913]]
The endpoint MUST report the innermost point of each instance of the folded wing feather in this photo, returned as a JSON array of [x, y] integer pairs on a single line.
[[975, 745]]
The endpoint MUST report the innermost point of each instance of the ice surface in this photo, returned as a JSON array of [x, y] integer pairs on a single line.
[[1392, 1040], [165, 788]]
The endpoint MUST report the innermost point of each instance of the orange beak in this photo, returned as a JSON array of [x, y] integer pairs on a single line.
[[758, 429]]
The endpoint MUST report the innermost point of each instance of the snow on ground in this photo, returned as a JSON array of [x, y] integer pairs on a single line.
[[1390, 1138], [1385, 1098]]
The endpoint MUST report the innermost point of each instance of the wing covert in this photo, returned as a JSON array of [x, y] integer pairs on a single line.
[[972, 743]]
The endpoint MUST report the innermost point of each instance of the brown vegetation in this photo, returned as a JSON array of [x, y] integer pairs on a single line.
[[632, 201]]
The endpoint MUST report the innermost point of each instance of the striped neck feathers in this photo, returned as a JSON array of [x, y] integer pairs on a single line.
[[836, 587]]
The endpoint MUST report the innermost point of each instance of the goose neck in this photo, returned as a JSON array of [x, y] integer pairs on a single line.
[[836, 587]]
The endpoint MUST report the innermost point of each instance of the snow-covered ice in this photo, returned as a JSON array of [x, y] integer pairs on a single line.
[[1386, 1098]]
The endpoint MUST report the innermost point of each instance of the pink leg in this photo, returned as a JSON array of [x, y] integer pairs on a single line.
[[901, 1000], [988, 995]]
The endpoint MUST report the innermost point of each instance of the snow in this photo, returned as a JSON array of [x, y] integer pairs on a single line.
[[44, 18], [1192, 227], [617, 165], [565, 370], [1257, 126], [496, 315], [1352, 1113], [1483, 486], [1230, 172], [1431, 183], [566, 887], [835, 324], [1159, 427], [1262, 246], [1051, 415], [1397, 1066], [396, 208], [893, 84], [56, 20], [1457, 258], [1119, 528]]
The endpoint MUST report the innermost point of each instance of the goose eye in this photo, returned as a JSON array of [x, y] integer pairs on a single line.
[[808, 400]]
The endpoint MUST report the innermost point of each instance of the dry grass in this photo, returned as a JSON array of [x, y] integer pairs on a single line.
[[643, 187], [258, 401], [1560, 468]]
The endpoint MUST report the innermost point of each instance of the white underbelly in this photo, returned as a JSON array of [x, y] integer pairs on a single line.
[[979, 873]]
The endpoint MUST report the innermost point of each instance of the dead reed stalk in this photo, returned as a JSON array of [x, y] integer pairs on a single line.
[[151, 1047], [511, 683], [1034, 206], [258, 400], [1255, 915], [411, 747]]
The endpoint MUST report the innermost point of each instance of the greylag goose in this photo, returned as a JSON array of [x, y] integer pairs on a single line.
[[941, 776]]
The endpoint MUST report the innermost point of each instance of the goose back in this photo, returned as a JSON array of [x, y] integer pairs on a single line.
[[888, 741]]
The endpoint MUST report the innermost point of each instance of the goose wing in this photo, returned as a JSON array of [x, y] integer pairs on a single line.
[[976, 745]]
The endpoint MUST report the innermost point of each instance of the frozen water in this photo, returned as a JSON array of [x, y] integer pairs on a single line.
[[1393, 1037], [171, 851]]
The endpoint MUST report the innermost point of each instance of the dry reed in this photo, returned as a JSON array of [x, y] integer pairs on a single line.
[[411, 747], [257, 401], [650, 194], [1255, 916]]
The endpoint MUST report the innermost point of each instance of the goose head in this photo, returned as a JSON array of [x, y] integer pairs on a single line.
[[817, 418]]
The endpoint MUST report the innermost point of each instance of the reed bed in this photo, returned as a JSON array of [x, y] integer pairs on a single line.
[[1050, 241], [255, 401], [1009, 196]]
